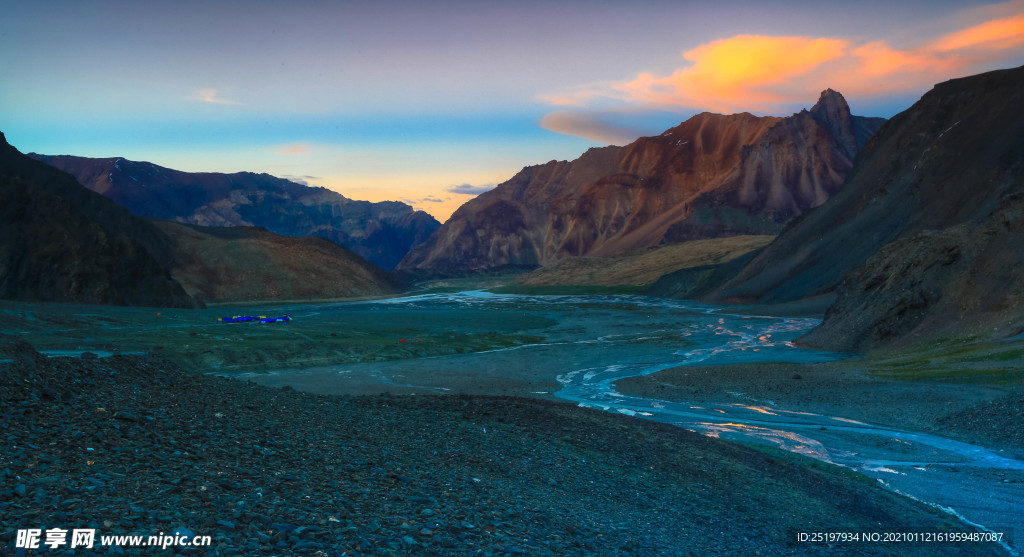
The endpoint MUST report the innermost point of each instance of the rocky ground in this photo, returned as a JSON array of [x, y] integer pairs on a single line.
[[133, 444]]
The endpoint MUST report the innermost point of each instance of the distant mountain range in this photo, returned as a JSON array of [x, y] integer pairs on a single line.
[[379, 232], [923, 241], [711, 176], [61, 242]]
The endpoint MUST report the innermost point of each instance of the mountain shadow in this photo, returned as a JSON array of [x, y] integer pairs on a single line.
[[60, 242]]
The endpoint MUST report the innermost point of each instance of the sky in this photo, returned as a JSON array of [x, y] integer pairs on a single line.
[[432, 103]]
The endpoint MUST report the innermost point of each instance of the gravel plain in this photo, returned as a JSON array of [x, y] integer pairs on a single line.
[[134, 444]]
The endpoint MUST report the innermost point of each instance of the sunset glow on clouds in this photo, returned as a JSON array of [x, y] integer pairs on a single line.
[[764, 73], [999, 34], [734, 73]]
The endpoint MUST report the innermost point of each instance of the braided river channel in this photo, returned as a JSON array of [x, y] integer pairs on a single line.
[[590, 342]]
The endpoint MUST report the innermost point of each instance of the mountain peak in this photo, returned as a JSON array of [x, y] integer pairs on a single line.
[[831, 103], [833, 112]]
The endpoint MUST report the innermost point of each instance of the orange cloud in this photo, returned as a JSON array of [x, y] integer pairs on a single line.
[[878, 68], [759, 73], [878, 59], [999, 34], [732, 73]]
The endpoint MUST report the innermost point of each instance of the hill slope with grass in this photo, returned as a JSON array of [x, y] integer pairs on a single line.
[[244, 264], [641, 268]]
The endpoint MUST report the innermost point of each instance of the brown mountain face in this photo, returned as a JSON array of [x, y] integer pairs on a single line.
[[245, 263], [379, 232], [711, 176], [924, 239], [60, 242], [798, 164]]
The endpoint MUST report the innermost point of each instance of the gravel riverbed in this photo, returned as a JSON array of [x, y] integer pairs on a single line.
[[136, 445], [972, 413]]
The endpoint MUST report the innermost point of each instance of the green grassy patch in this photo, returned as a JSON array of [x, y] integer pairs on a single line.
[[319, 334], [957, 361], [278, 349]]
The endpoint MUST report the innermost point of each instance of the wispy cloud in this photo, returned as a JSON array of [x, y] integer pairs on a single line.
[[299, 179], [998, 34], [469, 189], [297, 148], [767, 74], [589, 125], [430, 199], [210, 96]]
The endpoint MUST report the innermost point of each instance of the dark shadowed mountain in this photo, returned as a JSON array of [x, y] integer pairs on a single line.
[[244, 263], [711, 176], [60, 242], [379, 232], [925, 238]]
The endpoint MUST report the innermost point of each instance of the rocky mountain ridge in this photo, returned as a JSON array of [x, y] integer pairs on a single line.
[[923, 240], [711, 176], [379, 232]]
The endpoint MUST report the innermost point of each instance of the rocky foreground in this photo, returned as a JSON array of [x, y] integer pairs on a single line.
[[137, 445]]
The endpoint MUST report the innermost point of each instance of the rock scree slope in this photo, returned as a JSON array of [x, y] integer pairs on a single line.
[[713, 175], [924, 239]]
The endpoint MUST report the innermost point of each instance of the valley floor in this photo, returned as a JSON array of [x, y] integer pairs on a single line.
[[136, 445]]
